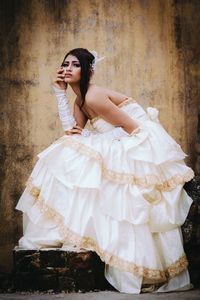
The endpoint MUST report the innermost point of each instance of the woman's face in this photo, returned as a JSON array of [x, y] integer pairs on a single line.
[[71, 69]]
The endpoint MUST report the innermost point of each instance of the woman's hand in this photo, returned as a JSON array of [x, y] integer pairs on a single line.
[[59, 80], [75, 130]]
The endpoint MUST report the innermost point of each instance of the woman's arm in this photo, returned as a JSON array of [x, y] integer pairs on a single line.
[[79, 116], [80, 120], [66, 118], [104, 107]]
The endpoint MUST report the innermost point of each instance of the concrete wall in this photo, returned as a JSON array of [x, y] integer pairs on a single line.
[[152, 54]]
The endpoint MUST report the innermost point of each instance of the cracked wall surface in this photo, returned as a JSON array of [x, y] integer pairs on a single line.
[[152, 54]]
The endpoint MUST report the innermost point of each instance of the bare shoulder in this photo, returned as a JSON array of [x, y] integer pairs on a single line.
[[96, 93]]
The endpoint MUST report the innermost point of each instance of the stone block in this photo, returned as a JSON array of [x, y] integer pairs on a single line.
[[49, 270], [85, 280], [25, 260], [80, 260], [66, 283], [47, 282], [53, 258], [63, 271], [25, 281], [58, 270]]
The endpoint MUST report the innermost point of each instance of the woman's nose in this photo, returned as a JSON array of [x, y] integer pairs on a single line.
[[67, 68]]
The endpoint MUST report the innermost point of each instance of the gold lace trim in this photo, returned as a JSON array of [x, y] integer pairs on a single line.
[[92, 121], [127, 178], [178, 266], [125, 102], [112, 260], [148, 180]]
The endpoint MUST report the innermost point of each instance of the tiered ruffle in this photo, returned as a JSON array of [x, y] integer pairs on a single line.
[[123, 199]]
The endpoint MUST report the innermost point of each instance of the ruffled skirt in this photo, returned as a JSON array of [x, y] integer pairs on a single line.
[[123, 199]]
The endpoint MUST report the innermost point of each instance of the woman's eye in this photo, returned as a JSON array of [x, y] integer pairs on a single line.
[[65, 65]]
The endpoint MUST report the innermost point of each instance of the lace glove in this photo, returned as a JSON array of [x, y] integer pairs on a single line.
[[65, 115], [114, 134]]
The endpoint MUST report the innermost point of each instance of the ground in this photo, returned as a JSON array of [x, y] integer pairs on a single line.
[[107, 295]]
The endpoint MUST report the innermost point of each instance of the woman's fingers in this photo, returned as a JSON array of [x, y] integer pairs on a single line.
[[59, 80], [73, 131], [68, 132], [76, 129], [60, 75], [60, 70]]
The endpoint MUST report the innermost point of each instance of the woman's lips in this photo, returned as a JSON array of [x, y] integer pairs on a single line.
[[66, 75]]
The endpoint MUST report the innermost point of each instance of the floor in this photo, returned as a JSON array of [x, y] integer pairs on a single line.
[[107, 295]]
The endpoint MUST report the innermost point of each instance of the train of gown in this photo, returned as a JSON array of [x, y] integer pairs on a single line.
[[123, 199]]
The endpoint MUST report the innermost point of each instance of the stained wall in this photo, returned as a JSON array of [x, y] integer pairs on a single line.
[[152, 54]]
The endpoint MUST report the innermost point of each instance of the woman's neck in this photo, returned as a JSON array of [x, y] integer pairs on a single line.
[[76, 89]]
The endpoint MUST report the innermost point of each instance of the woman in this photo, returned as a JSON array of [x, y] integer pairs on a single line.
[[117, 190]]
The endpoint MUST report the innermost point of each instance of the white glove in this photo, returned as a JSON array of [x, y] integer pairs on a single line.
[[65, 115], [114, 134]]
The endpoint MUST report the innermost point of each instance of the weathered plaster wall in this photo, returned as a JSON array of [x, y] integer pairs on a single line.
[[152, 54]]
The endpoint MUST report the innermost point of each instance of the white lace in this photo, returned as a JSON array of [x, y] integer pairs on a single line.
[[64, 111]]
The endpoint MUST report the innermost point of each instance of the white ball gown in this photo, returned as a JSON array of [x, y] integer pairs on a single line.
[[123, 199]]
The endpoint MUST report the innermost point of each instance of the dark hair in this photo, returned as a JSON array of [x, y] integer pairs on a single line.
[[85, 58]]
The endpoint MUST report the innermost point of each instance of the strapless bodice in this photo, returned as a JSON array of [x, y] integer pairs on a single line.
[[130, 106]]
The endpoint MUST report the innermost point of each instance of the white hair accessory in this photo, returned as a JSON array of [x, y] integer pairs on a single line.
[[96, 59]]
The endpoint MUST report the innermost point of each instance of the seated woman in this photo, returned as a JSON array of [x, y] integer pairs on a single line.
[[116, 190]]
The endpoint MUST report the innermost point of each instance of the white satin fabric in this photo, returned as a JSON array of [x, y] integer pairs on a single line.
[[123, 199]]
